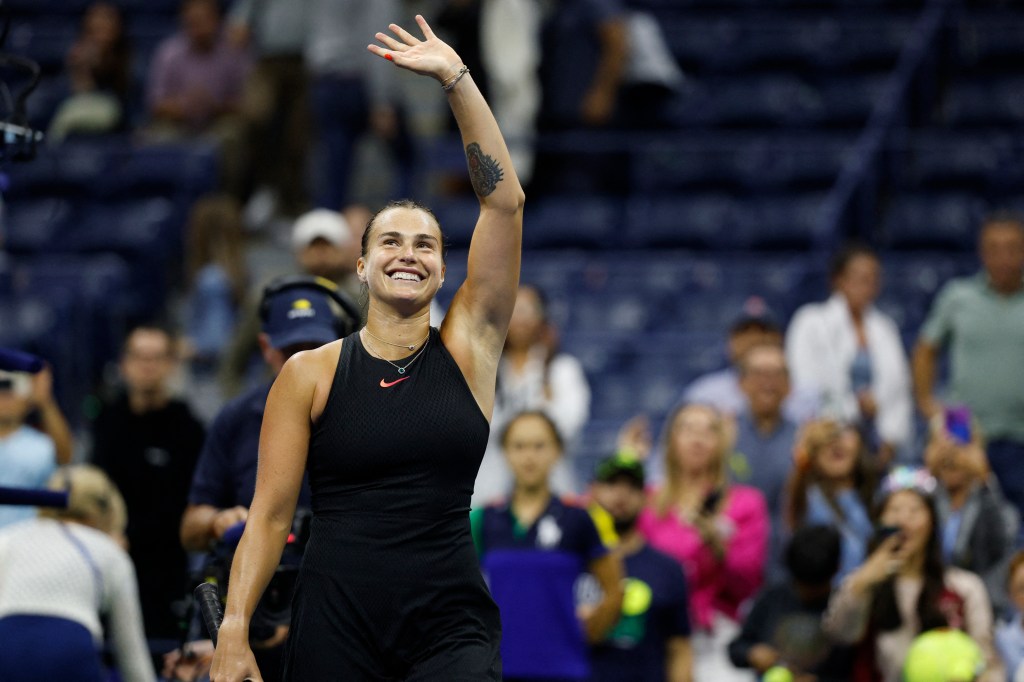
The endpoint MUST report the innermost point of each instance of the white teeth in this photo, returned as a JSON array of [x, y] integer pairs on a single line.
[[406, 275]]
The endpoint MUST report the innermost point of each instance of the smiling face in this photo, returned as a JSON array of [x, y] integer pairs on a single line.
[[402, 264], [951, 462], [908, 511], [836, 458], [765, 380], [531, 448]]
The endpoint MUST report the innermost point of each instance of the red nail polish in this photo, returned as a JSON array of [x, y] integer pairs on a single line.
[[389, 58]]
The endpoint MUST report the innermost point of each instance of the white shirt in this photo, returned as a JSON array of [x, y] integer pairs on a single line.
[[71, 571], [560, 390], [821, 344]]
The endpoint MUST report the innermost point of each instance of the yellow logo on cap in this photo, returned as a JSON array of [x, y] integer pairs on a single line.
[[301, 308]]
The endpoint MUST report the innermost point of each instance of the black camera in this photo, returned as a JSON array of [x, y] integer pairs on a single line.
[[274, 607]]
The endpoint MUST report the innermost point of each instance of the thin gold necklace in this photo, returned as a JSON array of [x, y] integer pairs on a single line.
[[401, 369], [397, 345]]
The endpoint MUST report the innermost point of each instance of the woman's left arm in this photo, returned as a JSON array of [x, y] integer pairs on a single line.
[[488, 295]]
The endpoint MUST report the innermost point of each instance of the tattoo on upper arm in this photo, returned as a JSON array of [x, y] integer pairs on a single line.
[[484, 172]]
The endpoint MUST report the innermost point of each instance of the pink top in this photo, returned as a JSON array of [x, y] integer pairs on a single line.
[[716, 584]]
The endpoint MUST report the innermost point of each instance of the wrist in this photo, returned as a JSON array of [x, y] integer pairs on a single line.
[[46, 404], [449, 83], [449, 72], [234, 627]]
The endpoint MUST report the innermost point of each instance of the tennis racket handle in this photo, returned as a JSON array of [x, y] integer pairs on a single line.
[[208, 597]]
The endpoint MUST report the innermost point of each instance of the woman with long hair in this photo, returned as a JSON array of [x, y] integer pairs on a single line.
[[717, 532], [391, 423], [904, 588], [832, 484]]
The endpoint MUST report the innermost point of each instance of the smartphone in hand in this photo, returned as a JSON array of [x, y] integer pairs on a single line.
[[882, 533]]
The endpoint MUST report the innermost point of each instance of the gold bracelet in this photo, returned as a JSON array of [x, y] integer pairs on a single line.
[[451, 82]]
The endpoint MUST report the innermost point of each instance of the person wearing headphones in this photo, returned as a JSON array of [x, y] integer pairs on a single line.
[[296, 313], [65, 582]]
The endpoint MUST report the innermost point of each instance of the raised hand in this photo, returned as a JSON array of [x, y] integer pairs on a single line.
[[429, 57]]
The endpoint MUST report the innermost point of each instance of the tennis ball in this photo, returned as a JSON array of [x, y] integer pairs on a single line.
[[942, 655], [777, 674]]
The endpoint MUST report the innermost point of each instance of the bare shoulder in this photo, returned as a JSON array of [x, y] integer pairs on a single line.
[[307, 376]]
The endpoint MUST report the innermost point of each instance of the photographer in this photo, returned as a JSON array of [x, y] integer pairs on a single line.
[[297, 314]]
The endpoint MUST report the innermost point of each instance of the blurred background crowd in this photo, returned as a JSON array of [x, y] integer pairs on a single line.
[[773, 262]]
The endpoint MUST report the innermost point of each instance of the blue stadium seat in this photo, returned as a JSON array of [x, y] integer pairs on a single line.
[[577, 222], [739, 160], [72, 169], [991, 41], [133, 227], [185, 169], [694, 221], [780, 99], [457, 217], [37, 225], [941, 159], [986, 102], [849, 101], [722, 222], [931, 221]]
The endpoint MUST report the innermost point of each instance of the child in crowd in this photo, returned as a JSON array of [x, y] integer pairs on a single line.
[[783, 628], [533, 549]]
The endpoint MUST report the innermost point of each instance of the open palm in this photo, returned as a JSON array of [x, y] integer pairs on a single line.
[[430, 56]]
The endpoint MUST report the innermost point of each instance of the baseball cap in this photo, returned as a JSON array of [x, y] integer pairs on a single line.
[[320, 223], [755, 311], [620, 465], [299, 315]]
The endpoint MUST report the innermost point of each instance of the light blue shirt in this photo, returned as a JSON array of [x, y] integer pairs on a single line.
[[854, 526], [27, 458], [1010, 644], [721, 390]]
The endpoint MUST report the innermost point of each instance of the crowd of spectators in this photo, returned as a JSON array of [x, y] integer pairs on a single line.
[[796, 513]]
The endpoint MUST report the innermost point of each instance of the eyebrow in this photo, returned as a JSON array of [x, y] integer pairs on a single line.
[[418, 236]]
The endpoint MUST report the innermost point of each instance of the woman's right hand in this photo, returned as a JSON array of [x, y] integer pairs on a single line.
[[880, 565], [429, 57], [233, 660]]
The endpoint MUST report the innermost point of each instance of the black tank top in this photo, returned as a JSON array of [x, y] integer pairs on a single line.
[[389, 577], [388, 443]]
